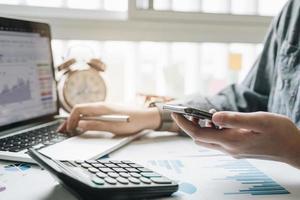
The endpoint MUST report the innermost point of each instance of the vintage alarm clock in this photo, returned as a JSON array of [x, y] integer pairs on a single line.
[[81, 84]]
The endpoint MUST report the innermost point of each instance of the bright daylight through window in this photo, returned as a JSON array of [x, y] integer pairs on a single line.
[[144, 65]]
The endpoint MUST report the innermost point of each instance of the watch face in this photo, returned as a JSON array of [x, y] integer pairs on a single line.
[[84, 86]]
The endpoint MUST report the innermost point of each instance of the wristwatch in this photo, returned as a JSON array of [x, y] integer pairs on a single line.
[[166, 120]]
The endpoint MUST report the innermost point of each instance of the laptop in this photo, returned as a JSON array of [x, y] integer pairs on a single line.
[[28, 99]]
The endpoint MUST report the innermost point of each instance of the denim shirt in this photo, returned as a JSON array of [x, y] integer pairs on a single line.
[[273, 82]]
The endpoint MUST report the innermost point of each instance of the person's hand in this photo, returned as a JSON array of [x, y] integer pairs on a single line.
[[140, 119], [248, 135]]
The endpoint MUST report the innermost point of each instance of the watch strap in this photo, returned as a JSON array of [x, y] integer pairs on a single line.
[[165, 116]]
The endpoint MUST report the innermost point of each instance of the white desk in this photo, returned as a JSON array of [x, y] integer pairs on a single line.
[[201, 173]]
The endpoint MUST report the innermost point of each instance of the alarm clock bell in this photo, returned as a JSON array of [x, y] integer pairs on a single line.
[[81, 84]]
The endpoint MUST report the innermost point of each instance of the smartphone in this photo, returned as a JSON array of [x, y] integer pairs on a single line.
[[201, 114]]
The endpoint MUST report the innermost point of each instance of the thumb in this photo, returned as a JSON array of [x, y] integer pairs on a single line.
[[256, 121]]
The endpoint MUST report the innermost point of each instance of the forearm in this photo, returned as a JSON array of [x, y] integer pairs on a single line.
[[153, 118]]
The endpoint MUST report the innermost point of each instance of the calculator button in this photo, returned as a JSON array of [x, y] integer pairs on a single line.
[[135, 175], [111, 165], [85, 165], [150, 174], [132, 170], [144, 170], [134, 180], [103, 161], [110, 180], [125, 175], [98, 181], [116, 162], [124, 165], [101, 175], [120, 170], [136, 166], [93, 170], [106, 170], [122, 180], [113, 175], [160, 180], [145, 180], [98, 165], [79, 162], [127, 162], [91, 161]]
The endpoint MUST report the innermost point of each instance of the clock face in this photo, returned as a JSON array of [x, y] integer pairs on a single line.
[[84, 86]]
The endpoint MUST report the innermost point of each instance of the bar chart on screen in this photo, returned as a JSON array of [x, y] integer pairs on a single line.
[[26, 79], [16, 93], [16, 82], [15, 86]]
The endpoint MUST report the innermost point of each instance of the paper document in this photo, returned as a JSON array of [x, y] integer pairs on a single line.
[[90, 145], [228, 178], [164, 144]]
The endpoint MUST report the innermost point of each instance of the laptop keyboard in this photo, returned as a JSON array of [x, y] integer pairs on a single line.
[[38, 138]]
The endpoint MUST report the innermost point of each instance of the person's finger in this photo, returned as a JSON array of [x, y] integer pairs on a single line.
[[195, 120], [208, 123], [62, 128], [212, 111], [256, 121], [197, 133], [88, 110]]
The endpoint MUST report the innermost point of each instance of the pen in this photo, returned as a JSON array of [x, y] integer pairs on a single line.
[[107, 118]]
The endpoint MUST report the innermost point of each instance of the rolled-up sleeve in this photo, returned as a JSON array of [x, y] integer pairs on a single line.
[[253, 93]]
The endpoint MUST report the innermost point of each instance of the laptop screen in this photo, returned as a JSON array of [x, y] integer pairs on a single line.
[[27, 87]]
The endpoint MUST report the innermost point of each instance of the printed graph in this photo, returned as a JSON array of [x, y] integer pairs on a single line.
[[18, 92], [187, 188], [175, 165], [18, 167], [253, 181]]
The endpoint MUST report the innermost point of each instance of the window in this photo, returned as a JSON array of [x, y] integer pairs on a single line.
[[161, 47], [244, 7], [166, 68], [112, 5]]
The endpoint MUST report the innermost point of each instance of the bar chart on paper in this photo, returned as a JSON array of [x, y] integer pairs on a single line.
[[221, 178], [204, 175], [174, 165], [253, 181]]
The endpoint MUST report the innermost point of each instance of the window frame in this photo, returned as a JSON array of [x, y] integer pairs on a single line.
[[144, 25]]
